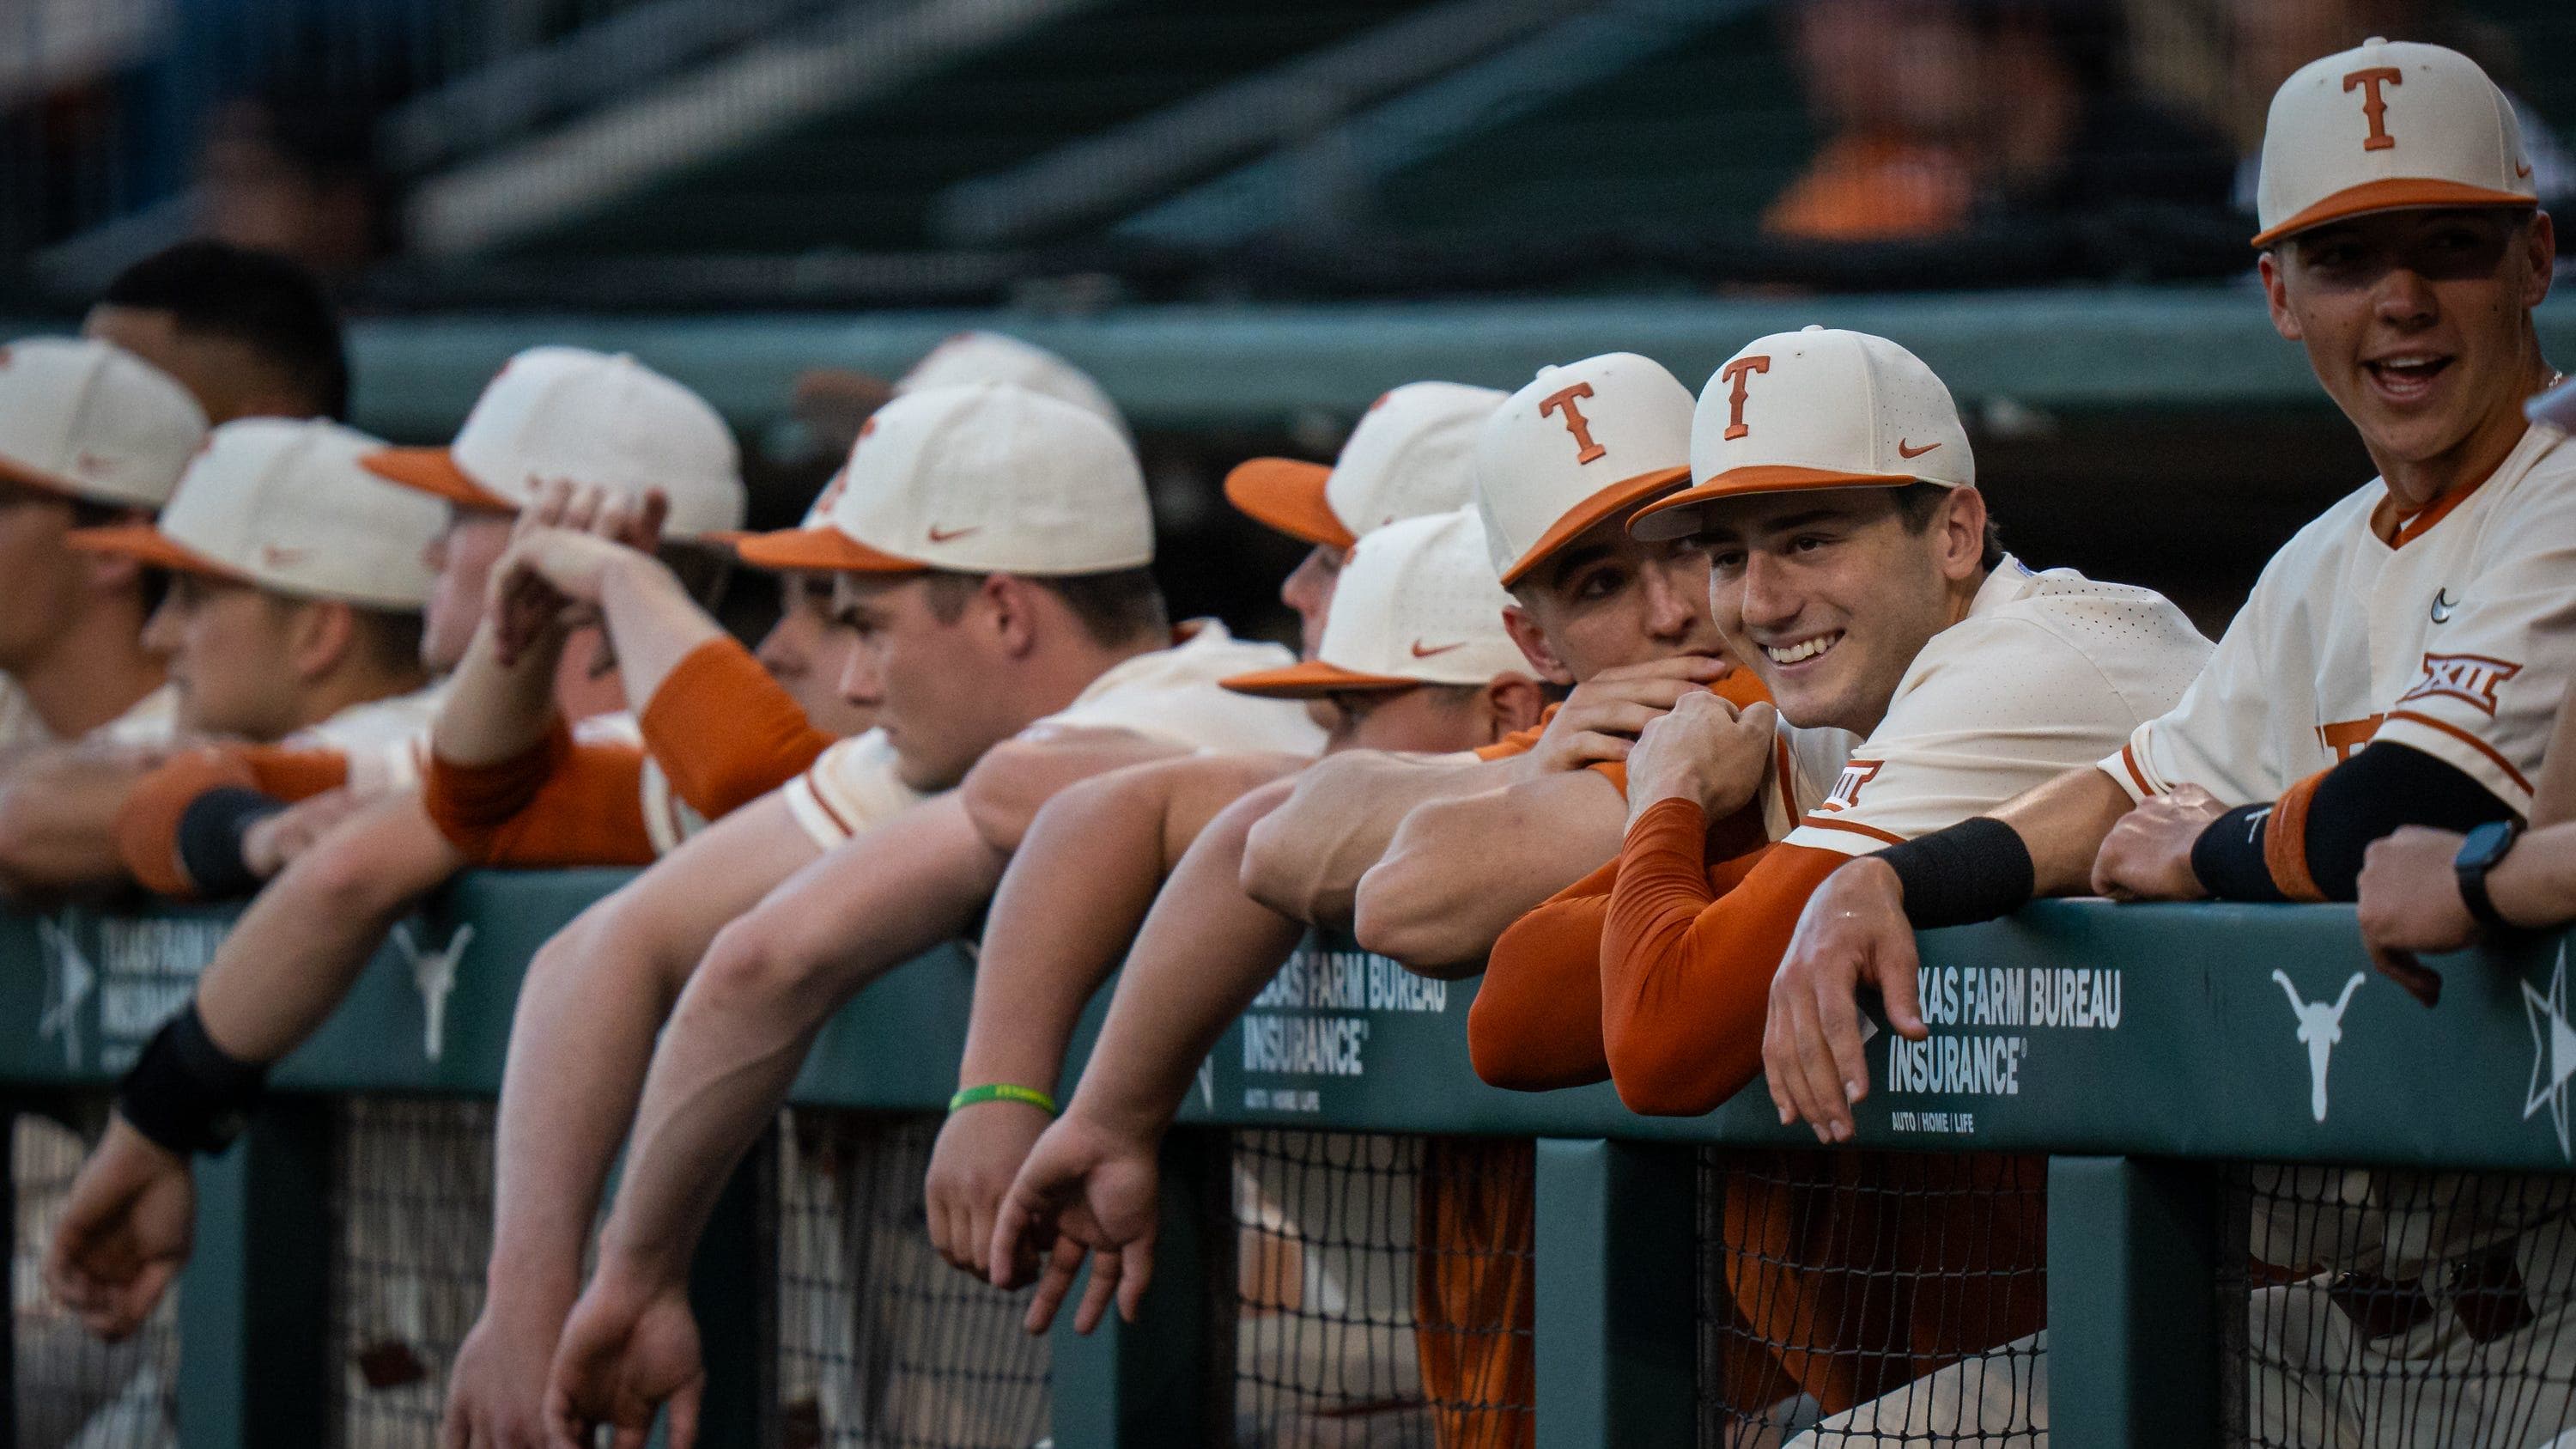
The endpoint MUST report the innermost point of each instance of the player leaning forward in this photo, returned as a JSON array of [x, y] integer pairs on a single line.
[[2399, 662]]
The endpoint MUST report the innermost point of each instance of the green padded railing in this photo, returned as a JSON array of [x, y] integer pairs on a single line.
[[2137, 1046]]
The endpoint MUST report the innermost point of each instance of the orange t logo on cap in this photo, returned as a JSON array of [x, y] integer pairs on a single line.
[[2373, 105], [1736, 372], [1575, 422]]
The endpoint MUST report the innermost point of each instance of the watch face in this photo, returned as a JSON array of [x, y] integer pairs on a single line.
[[2486, 844]]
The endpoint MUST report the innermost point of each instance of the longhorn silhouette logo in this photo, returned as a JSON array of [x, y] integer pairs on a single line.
[[2320, 1027], [434, 972], [67, 985]]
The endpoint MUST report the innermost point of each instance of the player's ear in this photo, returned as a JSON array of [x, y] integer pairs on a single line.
[[320, 633], [1008, 604], [2276, 293], [2540, 241], [1511, 703], [1531, 636], [1963, 532]]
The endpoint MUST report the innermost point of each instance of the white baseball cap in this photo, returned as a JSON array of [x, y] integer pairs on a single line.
[[93, 421], [569, 414], [2383, 126], [1416, 604], [1413, 453], [979, 479], [1818, 408], [973, 357], [1574, 447], [288, 506]]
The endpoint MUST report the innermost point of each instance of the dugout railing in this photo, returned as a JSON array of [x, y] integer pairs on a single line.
[[2147, 1052]]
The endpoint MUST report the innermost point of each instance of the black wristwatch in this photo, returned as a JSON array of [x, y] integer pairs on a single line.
[[2480, 853]]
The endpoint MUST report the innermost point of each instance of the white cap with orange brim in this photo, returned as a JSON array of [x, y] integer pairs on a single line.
[[979, 479], [567, 414], [94, 422], [1574, 447], [972, 357], [1818, 408], [2384, 126], [1413, 453], [1416, 604], [287, 506]]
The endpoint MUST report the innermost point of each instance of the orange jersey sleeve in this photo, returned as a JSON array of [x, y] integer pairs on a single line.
[[724, 731], [1686, 971], [557, 803], [147, 824], [1739, 688], [1542, 987]]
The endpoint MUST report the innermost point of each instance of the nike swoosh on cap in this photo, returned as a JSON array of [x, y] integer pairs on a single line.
[[277, 558], [1903, 451], [1421, 653], [945, 535]]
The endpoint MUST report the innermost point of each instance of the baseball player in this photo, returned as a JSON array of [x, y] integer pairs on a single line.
[[293, 614], [1590, 604], [90, 435], [991, 543], [1926, 673], [1411, 455], [2391, 668], [247, 333]]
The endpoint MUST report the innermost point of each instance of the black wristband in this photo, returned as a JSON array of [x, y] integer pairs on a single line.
[[2228, 855], [210, 839], [185, 1092], [1974, 871]]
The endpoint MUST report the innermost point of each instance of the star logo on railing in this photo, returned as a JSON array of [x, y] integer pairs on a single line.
[[2553, 1051]]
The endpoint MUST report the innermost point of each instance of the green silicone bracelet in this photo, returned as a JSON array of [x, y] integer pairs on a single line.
[[1003, 1092]]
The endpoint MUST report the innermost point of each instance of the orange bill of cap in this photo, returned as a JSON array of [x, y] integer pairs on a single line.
[[1312, 680], [1768, 478], [147, 544], [1582, 516], [2395, 193], [1288, 495], [434, 471], [820, 550]]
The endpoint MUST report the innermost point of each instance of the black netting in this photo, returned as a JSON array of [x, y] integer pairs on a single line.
[[881, 1343], [1864, 1298], [1382, 1291], [2422, 1309], [411, 1208], [73, 1391]]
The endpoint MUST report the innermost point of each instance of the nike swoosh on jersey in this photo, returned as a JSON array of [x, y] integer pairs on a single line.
[[2442, 607], [1904, 451]]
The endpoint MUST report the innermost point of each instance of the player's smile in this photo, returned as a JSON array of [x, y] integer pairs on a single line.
[[2405, 378], [1793, 655]]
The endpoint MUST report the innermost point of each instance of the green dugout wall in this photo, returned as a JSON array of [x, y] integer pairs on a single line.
[[2137, 1046]]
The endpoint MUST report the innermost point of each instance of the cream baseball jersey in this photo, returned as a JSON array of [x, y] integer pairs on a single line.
[[152, 721], [1171, 695], [2045, 672], [2453, 639], [386, 740]]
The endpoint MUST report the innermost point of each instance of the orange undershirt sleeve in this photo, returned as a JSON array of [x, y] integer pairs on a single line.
[[1542, 983], [470, 803], [725, 732], [589, 811], [291, 773], [1685, 971]]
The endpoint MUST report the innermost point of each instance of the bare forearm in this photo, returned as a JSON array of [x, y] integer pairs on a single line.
[[2062, 824], [289, 961], [579, 1044], [496, 711], [742, 1024], [1306, 859], [58, 821], [1460, 871], [652, 622], [1075, 892], [2535, 885], [1205, 952], [2553, 798]]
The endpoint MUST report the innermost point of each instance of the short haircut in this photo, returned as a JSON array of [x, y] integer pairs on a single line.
[[390, 637], [264, 302], [705, 570], [1115, 608], [1916, 503]]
